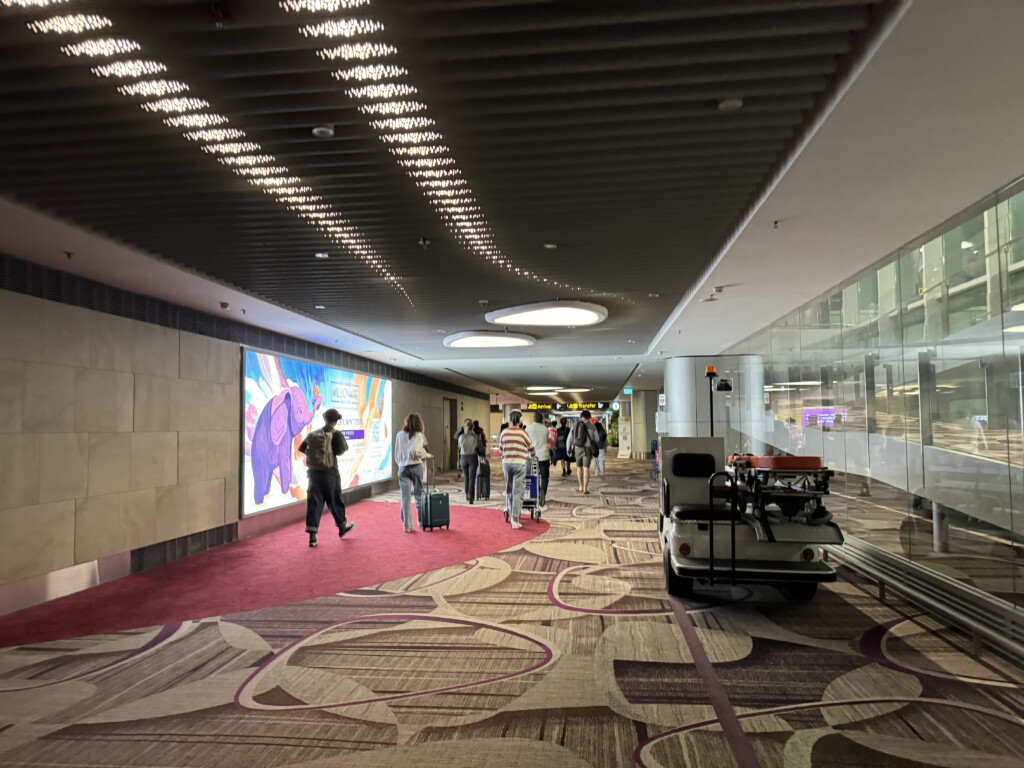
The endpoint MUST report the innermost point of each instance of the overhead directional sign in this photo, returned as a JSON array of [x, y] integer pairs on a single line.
[[566, 407]]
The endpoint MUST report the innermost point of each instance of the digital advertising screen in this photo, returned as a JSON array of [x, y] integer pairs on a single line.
[[283, 401], [824, 417]]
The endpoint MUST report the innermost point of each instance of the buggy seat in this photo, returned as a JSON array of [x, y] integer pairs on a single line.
[[687, 465]]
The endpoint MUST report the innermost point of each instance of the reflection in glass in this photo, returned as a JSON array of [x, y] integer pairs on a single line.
[[909, 380]]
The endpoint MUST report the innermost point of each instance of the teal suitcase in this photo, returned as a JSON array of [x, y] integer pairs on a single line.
[[434, 511]]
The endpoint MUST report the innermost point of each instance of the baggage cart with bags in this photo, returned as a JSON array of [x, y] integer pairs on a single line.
[[530, 487], [434, 511]]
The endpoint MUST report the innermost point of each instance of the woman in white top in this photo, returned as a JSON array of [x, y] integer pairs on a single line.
[[410, 451]]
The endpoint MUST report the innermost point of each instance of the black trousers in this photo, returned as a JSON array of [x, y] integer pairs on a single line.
[[324, 488], [544, 473], [469, 463]]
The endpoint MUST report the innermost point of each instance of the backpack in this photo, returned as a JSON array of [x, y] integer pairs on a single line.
[[319, 450], [560, 439], [602, 436], [581, 439]]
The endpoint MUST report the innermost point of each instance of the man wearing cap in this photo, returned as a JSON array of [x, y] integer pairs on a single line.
[[322, 447]]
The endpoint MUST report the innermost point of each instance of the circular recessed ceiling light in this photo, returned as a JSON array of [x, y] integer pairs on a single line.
[[479, 339], [730, 105], [321, 255], [564, 313]]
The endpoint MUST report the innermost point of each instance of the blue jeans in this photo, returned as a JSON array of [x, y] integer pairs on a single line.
[[515, 481], [410, 480]]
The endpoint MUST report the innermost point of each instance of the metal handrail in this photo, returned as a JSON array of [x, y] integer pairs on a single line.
[[732, 525]]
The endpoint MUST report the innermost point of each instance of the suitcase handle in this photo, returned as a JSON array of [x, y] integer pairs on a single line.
[[426, 468]]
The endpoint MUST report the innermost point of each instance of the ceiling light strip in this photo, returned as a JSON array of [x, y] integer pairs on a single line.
[[416, 149], [246, 157]]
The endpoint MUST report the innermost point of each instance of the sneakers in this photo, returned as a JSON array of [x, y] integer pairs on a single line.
[[345, 529], [408, 530], [516, 525], [312, 540]]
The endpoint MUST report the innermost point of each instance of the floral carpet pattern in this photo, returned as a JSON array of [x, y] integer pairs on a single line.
[[563, 651]]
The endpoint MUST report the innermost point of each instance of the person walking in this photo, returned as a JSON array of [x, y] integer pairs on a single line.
[[482, 435], [538, 433], [561, 446], [602, 448], [515, 448], [322, 447], [469, 457], [410, 451], [583, 440]]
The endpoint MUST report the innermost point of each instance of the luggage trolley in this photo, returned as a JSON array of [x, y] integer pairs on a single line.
[[530, 490]]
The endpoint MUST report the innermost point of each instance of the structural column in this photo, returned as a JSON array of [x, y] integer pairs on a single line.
[[742, 410]]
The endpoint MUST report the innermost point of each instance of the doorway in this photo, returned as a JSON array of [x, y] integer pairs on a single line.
[[449, 417]]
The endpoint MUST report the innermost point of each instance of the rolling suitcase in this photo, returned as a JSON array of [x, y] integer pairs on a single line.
[[483, 480], [434, 509]]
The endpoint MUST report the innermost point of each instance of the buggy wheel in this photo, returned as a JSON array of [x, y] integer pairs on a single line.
[[675, 585], [802, 590]]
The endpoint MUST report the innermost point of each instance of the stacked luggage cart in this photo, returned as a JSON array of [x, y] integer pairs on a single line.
[[530, 491]]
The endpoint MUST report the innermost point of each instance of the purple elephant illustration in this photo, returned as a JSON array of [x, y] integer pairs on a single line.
[[284, 417]]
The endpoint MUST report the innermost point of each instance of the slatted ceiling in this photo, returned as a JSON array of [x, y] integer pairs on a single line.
[[593, 125]]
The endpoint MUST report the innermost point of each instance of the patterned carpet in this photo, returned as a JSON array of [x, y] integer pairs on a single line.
[[562, 651]]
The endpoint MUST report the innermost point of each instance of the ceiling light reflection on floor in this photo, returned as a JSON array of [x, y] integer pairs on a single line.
[[553, 313]]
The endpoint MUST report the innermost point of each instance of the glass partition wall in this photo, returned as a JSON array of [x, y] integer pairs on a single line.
[[908, 380]]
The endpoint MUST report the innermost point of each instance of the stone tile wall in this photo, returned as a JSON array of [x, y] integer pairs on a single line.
[[114, 434]]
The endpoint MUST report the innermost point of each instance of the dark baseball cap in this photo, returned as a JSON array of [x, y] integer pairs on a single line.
[[332, 415]]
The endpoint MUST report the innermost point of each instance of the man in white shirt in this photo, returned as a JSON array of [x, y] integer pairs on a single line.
[[538, 433]]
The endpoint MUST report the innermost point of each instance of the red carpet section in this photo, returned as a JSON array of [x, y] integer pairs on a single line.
[[272, 569]]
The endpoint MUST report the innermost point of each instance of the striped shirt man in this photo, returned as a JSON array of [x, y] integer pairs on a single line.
[[515, 446]]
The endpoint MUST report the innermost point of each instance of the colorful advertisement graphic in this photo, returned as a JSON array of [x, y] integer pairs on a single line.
[[283, 401]]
